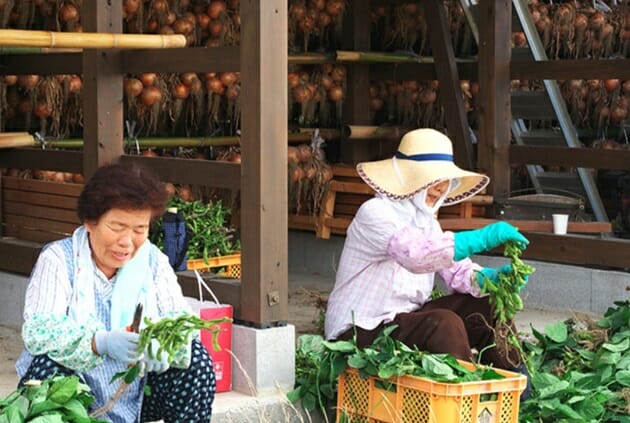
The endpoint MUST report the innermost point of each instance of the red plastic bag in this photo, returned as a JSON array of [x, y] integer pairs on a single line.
[[210, 310]]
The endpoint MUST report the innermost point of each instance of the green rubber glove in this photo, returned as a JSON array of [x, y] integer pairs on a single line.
[[468, 243]]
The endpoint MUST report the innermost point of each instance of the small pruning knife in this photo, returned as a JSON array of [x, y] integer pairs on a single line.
[[137, 318]]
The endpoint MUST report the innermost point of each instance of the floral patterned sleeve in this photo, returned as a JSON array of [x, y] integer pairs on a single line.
[[72, 346], [421, 250], [47, 298]]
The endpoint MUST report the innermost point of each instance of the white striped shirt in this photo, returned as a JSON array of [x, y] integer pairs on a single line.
[[48, 330]]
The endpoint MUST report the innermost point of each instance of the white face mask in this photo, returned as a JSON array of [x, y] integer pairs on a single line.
[[420, 199]]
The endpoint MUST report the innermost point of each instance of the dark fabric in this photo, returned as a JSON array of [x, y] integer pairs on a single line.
[[175, 239], [177, 395], [453, 324], [182, 395], [43, 367]]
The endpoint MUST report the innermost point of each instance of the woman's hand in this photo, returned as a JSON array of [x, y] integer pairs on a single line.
[[494, 275], [153, 359], [118, 344]]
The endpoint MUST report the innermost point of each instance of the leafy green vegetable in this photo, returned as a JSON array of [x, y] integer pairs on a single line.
[[208, 226], [581, 370], [56, 400]]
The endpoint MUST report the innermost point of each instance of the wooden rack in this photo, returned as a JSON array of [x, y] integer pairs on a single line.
[[38, 211]]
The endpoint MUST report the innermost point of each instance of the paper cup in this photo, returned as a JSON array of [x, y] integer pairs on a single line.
[[560, 223]]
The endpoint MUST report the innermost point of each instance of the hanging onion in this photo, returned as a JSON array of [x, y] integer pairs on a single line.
[[133, 87], [150, 95], [216, 9]]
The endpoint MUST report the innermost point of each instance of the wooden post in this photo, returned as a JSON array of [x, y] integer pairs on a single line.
[[264, 202], [450, 91], [495, 114], [102, 89], [356, 106]]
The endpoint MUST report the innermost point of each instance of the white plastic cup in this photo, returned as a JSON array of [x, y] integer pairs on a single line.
[[560, 223]]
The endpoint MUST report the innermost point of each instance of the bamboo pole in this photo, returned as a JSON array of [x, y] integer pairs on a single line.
[[303, 136], [27, 38], [37, 50], [311, 58], [362, 132], [306, 134], [16, 139], [380, 57]]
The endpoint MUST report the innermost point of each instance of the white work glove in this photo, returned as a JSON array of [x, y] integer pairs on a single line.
[[152, 361], [118, 344]]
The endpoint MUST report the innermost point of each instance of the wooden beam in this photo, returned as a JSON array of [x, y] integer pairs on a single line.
[[102, 89], [460, 224], [450, 86], [571, 69], [32, 158], [18, 256], [213, 174], [264, 202], [577, 157], [40, 64], [220, 59], [189, 59], [494, 93], [420, 71], [579, 250], [356, 108]]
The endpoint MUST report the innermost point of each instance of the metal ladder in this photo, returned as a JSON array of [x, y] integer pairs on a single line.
[[545, 105]]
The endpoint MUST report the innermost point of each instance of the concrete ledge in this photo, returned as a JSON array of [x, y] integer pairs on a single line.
[[264, 360], [12, 293], [234, 407]]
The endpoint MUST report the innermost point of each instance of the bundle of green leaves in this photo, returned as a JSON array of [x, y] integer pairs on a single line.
[[505, 296], [55, 400], [581, 370], [172, 334], [208, 226]]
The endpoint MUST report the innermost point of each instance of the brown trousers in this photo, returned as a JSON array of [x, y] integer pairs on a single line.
[[453, 324]]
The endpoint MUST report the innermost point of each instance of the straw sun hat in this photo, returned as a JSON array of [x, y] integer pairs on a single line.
[[424, 157]]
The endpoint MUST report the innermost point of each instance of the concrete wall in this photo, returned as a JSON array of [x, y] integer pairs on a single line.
[[12, 291]]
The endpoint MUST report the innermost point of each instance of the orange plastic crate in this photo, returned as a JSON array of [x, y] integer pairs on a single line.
[[419, 400], [232, 264]]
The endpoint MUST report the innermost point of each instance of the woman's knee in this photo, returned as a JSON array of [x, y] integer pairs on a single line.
[[446, 322], [201, 364]]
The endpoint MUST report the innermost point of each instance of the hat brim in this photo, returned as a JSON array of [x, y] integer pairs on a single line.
[[410, 179]]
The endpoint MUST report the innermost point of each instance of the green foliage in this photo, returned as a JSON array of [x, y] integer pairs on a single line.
[[172, 334], [319, 364], [505, 296], [582, 372], [55, 400], [208, 226]]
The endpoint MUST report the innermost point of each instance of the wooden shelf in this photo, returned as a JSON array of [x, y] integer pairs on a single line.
[[219, 59]]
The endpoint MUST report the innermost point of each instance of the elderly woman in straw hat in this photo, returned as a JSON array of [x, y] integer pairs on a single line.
[[394, 246]]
